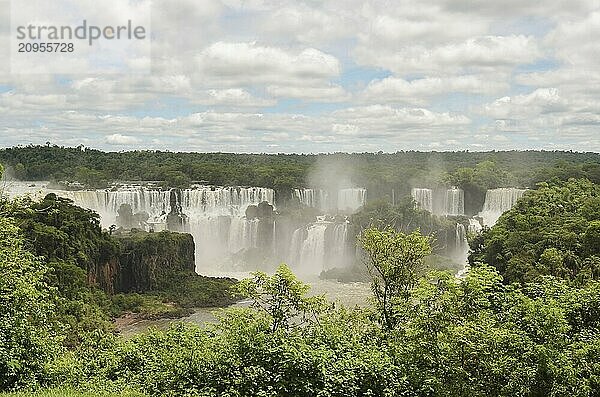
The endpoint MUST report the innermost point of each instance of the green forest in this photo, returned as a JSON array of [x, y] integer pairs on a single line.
[[523, 321], [381, 173]]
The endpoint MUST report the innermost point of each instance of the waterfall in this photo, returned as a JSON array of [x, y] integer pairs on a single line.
[[215, 216], [454, 202], [223, 200], [243, 234], [211, 235], [350, 200], [498, 201], [314, 198], [461, 249], [474, 226], [201, 201], [312, 252], [423, 197], [319, 246], [340, 236], [461, 243], [107, 202], [295, 247]]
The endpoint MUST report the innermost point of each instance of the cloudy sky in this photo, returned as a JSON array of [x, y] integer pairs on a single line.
[[330, 75]]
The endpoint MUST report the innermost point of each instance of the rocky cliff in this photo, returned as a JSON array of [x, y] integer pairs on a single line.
[[147, 258]]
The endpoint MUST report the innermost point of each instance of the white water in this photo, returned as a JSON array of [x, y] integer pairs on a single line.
[[215, 216], [350, 200], [107, 202], [498, 201], [319, 246], [474, 226], [345, 201], [454, 202], [462, 246], [314, 198], [423, 197], [312, 251], [427, 199], [243, 234]]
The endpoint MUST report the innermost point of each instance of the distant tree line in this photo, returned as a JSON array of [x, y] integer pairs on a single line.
[[384, 175]]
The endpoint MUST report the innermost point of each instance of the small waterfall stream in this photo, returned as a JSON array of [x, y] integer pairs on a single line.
[[454, 202], [423, 197]]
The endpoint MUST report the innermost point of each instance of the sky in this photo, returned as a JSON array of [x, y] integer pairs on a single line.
[[320, 76]]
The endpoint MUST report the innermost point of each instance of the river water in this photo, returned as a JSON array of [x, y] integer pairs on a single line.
[[346, 294]]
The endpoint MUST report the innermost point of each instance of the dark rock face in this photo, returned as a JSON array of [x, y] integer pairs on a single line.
[[144, 259], [105, 274], [265, 210], [128, 220], [148, 258], [252, 212]]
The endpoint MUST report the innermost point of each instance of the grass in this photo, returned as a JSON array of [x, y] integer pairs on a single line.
[[70, 393]]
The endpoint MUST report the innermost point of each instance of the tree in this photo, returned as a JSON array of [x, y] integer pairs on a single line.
[[395, 261], [282, 296], [553, 230], [27, 338]]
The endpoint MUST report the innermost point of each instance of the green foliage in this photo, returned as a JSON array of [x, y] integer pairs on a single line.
[[553, 230], [441, 336], [474, 337], [406, 217], [147, 306], [188, 290], [395, 261], [380, 173], [82, 262], [71, 393], [28, 341], [74, 248], [282, 297]]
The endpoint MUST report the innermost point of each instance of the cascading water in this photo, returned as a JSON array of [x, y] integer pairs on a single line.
[[225, 228], [461, 249], [454, 202], [423, 197], [498, 201], [319, 246], [350, 200], [314, 198], [243, 234], [339, 241], [215, 216], [223, 200], [461, 244], [474, 226], [107, 202], [312, 252]]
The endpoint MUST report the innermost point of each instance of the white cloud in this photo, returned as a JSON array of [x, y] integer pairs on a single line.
[[384, 69], [540, 101], [420, 91], [118, 139], [477, 53], [246, 63], [331, 93], [232, 97]]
